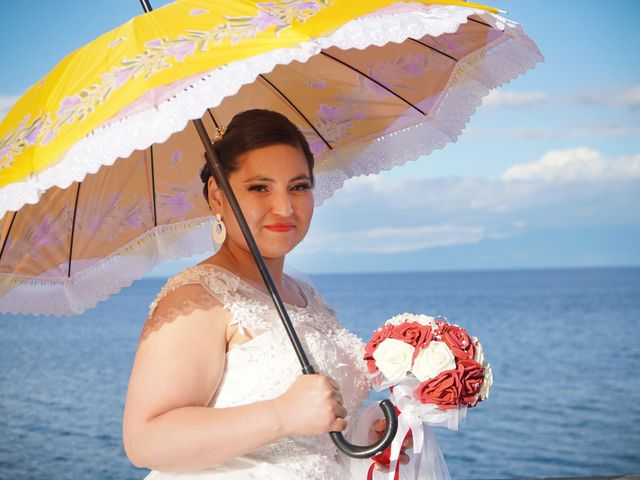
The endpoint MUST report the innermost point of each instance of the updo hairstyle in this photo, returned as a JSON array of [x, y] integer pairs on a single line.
[[250, 130]]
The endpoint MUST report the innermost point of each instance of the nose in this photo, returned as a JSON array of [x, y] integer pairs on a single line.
[[281, 203]]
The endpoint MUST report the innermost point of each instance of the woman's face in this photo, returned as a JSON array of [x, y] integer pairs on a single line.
[[273, 187]]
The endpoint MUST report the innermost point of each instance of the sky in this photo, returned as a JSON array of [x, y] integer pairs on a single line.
[[546, 174]]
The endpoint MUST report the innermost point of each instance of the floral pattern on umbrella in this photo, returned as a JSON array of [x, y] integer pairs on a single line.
[[156, 58]]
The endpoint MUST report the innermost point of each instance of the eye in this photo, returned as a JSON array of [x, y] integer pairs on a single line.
[[258, 187], [300, 187]]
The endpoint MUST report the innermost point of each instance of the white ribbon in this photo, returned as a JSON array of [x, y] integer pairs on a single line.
[[406, 421], [418, 418], [414, 417], [418, 443], [396, 445]]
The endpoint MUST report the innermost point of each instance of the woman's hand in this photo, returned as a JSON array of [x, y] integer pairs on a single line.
[[378, 428], [311, 406]]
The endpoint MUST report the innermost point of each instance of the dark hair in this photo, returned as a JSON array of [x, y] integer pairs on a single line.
[[253, 129]]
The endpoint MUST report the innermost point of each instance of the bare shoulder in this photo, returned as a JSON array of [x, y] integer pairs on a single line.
[[181, 353]]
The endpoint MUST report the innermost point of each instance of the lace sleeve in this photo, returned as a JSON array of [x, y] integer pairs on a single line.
[[221, 287]]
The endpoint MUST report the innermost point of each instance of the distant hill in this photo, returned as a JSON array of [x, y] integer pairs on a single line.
[[581, 247]]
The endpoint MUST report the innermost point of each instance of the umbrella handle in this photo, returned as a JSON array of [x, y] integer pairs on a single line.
[[368, 451]]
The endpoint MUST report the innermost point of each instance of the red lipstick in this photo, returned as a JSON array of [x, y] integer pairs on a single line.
[[280, 227]]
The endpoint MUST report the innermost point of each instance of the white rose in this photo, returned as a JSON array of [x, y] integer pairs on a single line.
[[432, 361], [487, 383], [478, 356], [393, 358]]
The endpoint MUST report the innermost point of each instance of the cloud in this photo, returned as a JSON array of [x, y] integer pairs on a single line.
[[500, 99], [393, 240], [6, 102], [622, 97], [547, 133], [573, 188], [576, 164], [627, 97]]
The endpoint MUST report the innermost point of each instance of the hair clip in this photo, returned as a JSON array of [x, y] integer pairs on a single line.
[[220, 131]]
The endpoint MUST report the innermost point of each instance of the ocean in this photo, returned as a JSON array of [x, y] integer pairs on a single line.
[[564, 346]]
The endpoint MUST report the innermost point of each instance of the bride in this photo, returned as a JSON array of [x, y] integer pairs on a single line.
[[215, 390]]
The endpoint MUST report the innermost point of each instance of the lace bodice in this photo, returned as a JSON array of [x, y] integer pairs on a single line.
[[266, 366]]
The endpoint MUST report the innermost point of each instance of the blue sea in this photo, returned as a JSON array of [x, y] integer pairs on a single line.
[[564, 346]]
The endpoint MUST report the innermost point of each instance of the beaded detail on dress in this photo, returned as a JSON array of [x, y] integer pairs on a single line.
[[266, 366]]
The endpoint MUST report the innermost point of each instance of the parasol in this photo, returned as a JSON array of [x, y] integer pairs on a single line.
[[371, 85]]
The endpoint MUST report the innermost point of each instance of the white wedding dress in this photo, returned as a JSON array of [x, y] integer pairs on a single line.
[[266, 366]]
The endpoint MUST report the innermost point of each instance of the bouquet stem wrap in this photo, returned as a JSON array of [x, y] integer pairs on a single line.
[[426, 459]]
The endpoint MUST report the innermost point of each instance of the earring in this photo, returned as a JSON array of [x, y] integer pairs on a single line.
[[219, 230]]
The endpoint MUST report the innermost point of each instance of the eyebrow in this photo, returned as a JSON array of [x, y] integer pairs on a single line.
[[260, 178]]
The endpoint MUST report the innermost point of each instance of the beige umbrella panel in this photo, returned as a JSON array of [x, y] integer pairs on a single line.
[[141, 211]]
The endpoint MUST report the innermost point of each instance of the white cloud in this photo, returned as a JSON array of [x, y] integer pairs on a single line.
[[6, 102], [628, 97], [392, 240], [576, 164], [547, 133], [571, 188], [501, 99], [623, 97]]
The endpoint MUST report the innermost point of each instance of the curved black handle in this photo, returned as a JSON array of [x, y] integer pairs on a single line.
[[368, 451]]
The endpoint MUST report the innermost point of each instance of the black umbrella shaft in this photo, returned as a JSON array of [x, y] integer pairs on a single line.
[[223, 183], [146, 6]]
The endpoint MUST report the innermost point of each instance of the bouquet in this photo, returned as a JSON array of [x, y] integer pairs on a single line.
[[435, 372]]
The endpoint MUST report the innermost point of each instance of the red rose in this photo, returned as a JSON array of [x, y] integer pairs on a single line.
[[413, 333], [378, 336], [443, 391], [471, 378], [457, 339]]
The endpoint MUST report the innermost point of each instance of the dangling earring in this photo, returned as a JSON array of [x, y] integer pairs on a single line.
[[219, 230]]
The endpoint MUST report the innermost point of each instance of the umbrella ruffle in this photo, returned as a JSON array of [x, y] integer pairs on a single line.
[[484, 71], [55, 295]]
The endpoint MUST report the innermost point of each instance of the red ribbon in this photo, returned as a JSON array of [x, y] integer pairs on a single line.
[[384, 457], [372, 469]]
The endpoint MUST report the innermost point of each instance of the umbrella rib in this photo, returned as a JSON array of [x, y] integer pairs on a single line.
[[4, 244], [478, 21], [73, 228], [153, 188], [212, 118], [434, 49], [297, 110], [374, 81]]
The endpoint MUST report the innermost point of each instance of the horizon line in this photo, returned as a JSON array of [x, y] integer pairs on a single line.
[[450, 270]]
